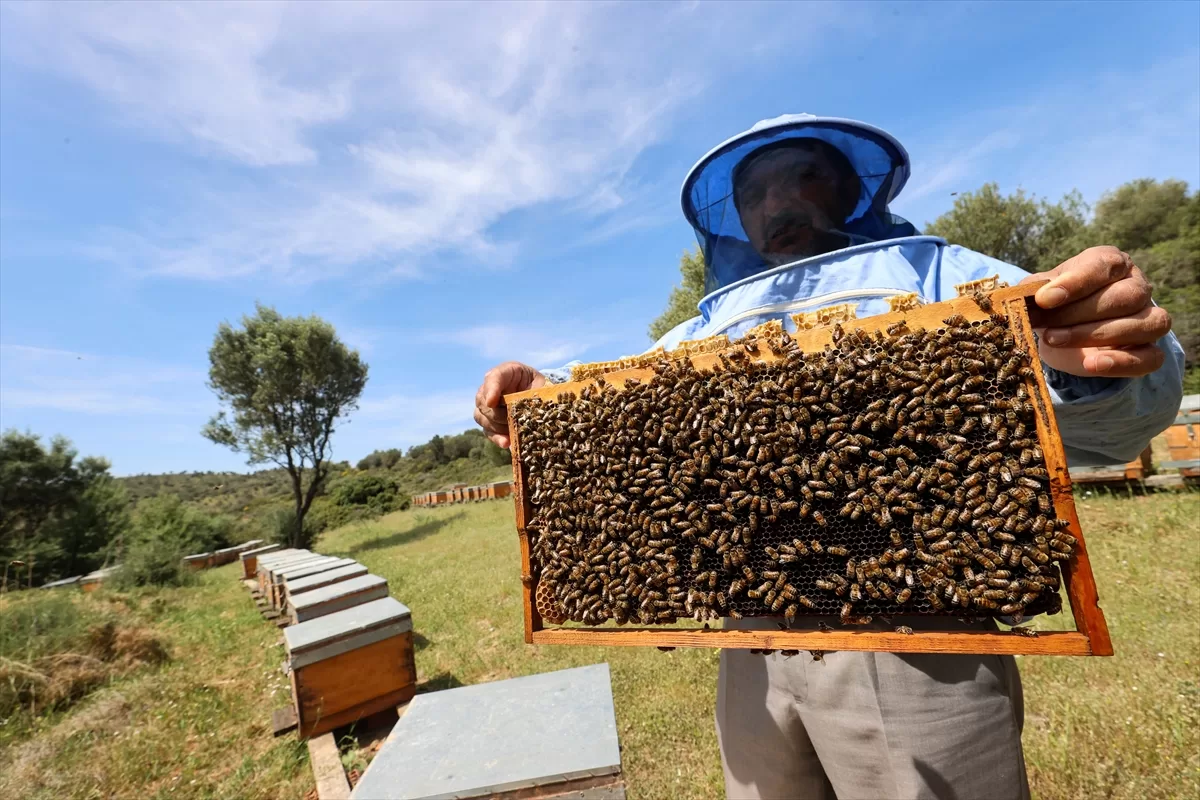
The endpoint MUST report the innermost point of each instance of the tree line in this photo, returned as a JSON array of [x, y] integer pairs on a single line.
[[284, 384], [1156, 222], [440, 450]]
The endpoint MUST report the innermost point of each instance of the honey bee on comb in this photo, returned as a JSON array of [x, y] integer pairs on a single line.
[[905, 460]]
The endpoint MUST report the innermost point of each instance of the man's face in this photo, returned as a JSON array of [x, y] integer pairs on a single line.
[[790, 202]]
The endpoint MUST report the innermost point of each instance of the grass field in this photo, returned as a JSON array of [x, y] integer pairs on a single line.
[[1124, 727]]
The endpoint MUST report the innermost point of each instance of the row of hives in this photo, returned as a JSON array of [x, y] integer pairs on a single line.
[[340, 624], [462, 493]]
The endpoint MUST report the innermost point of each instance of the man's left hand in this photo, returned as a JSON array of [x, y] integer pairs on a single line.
[[1095, 319]]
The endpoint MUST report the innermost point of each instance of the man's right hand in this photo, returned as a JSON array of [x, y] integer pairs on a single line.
[[490, 413]]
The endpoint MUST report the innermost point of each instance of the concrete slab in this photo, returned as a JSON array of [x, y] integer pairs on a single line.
[[506, 736], [284, 572], [258, 552], [285, 550], [63, 582], [278, 555], [337, 597], [315, 569], [270, 560], [342, 631], [295, 586], [270, 567]]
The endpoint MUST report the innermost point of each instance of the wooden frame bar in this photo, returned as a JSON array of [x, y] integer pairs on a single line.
[[1090, 636]]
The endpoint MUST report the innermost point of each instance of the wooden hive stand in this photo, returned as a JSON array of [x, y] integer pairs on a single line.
[[1090, 636]]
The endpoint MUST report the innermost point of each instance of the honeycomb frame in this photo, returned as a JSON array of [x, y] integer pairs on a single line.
[[1090, 637]]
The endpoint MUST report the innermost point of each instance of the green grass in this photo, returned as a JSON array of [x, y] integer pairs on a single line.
[[1121, 727], [195, 727], [1127, 726]]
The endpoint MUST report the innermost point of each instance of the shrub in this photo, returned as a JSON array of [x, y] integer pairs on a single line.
[[279, 522], [153, 562], [372, 490], [164, 531]]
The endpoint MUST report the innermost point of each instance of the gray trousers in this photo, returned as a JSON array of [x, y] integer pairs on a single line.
[[870, 726]]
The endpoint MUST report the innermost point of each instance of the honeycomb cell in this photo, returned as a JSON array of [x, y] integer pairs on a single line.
[[643, 499]]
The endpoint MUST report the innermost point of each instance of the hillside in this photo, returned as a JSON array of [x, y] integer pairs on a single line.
[[443, 461]]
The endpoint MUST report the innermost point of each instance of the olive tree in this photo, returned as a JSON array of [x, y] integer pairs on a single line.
[[284, 383]]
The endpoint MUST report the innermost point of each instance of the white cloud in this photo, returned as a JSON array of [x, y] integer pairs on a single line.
[[39, 378], [378, 133], [194, 72]]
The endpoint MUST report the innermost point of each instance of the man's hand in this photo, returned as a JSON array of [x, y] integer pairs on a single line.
[[1095, 319], [506, 378]]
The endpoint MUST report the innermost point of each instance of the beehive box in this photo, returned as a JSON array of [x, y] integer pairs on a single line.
[[91, 582], [226, 555], [874, 370], [197, 561], [1137, 470], [250, 559], [298, 586], [279, 559], [287, 577], [552, 735], [351, 664], [1183, 439], [336, 597], [278, 576]]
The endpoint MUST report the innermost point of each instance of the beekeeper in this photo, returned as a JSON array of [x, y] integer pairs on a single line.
[[792, 216]]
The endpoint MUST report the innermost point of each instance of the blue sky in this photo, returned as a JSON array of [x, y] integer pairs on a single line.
[[455, 185]]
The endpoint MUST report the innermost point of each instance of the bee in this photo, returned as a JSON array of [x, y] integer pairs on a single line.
[[1023, 631], [904, 629]]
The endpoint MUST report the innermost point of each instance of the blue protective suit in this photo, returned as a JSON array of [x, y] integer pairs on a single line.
[[1102, 420]]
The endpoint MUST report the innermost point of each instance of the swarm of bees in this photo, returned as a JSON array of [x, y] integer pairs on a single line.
[[892, 472]]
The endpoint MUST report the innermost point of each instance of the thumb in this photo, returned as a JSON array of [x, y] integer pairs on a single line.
[[509, 377]]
